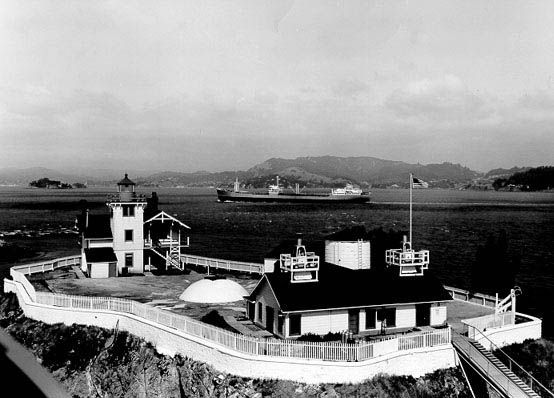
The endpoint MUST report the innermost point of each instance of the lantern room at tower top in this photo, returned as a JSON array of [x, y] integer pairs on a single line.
[[135, 235]]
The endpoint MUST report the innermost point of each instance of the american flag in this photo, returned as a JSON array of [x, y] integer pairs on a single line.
[[418, 183]]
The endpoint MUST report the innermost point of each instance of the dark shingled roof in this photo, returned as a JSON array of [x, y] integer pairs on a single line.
[[126, 181], [340, 287], [349, 234], [100, 255], [98, 227], [289, 247]]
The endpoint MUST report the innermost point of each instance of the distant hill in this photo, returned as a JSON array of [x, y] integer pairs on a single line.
[[363, 170], [198, 179], [321, 171], [313, 171], [500, 173], [535, 179]]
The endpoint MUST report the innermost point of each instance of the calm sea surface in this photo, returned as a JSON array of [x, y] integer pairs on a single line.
[[451, 224]]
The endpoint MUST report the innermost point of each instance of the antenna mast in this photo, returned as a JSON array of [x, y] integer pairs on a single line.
[[411, 183]]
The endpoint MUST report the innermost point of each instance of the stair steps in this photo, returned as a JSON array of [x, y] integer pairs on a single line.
[[504, 369], [173, 261]]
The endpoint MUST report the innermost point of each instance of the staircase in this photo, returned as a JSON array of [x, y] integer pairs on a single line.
[[172, 259], [491, 368]]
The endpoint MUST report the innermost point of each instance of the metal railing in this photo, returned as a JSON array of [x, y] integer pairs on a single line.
[[217, 263], [515, 367], [484, 366], [47, 265], [475, 298], [131, 197], [486, 322], [309, 261], [407, 258]]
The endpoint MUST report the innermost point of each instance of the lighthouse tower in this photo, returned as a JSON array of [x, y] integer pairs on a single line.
[[127, 219]]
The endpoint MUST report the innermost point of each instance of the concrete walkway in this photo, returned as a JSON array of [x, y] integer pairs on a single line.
[[458, 310]]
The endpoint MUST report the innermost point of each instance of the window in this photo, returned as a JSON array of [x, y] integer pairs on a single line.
[[370, 314], [128, 211], [295, 325], [388, 315], [128, 235], [128, 259], [260, 312], [280, 324]]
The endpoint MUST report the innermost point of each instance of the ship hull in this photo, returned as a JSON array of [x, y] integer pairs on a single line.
[[231, 196]]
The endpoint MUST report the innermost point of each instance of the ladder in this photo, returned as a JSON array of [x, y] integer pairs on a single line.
[[360, 254]]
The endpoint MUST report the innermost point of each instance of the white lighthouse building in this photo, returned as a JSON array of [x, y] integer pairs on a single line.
[[124, 241], [127, 223]]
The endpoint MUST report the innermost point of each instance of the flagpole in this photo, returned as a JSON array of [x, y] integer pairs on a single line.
[[411, 183]]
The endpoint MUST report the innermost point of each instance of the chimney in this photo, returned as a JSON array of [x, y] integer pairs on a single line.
[[299, 242]]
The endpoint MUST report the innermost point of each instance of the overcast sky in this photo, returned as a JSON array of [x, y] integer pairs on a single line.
[[222, 85]]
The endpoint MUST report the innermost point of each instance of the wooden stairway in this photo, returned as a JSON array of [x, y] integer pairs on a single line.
[[491, 368], [171, 260]]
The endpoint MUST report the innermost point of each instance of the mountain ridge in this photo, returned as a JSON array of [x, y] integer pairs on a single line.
[[310, 170]]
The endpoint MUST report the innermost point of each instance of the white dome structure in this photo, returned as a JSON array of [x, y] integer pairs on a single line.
[[214, 291]]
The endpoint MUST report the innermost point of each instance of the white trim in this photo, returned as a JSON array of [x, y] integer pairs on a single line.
[[365, 306], [270, 288], [164, 214]]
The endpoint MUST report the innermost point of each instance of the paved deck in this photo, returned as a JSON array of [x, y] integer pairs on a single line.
[[458, 310], [161, 291]]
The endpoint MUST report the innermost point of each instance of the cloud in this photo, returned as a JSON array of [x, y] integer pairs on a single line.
[[445, 100], [350, 88]]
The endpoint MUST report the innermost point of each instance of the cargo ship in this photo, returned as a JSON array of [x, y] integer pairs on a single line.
[[275, 193]]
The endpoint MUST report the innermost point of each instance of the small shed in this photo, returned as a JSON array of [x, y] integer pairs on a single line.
[[101, 262]]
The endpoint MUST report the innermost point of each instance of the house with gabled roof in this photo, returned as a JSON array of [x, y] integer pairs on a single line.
[[344, 294], [133, 237]]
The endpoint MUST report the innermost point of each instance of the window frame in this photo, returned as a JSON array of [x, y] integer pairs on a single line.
[[373, 324], [128, 210], [388, 314], [127, 257], [260, 312], [295, 320]]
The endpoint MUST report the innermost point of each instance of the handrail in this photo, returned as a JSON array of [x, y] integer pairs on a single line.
[[500, 380], [533, 379], [37, 267], [484, 298], [222, 264]]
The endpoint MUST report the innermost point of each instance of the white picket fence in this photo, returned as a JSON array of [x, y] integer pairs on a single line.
[[212, 335]]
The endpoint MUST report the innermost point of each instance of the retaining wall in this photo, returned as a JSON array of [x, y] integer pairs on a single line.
[[170, 341]]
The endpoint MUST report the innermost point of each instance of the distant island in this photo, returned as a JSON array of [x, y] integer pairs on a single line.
[[54, 184]]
